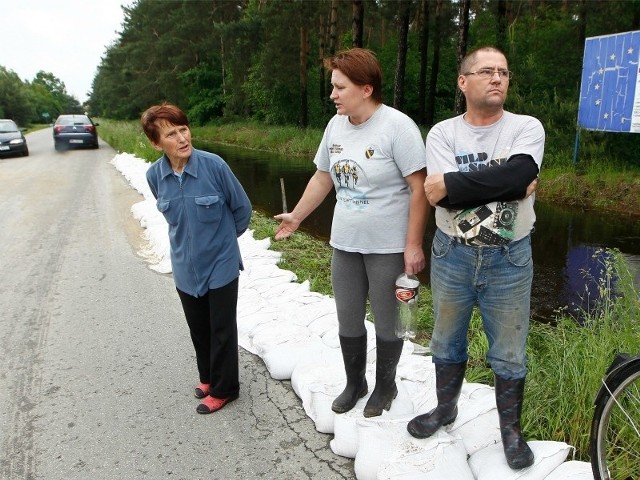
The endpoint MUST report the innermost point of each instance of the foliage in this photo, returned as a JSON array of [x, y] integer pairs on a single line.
[[42, 100], [14, 98], [127, 137], [568, 360], [240, 59]]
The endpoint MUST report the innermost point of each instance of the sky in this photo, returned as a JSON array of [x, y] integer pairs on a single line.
[[64, 37]]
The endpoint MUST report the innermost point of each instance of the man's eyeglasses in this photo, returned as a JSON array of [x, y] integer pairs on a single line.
[[488, 73]]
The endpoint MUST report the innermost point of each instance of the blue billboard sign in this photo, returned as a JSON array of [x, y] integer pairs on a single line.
[[609, 90]]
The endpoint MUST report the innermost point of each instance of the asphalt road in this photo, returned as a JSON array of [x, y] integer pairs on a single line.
[[96, 366]]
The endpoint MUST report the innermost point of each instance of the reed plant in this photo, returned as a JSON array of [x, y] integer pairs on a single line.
[[568, 359], [286, 140], [127, 136]]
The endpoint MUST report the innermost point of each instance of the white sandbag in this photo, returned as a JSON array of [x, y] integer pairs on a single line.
[[416, 368], [276, 334], [248, 239], [284, 293], [572, 470], [321, 325], [309, 297], [256, 252], [491, 464], [378, 438], [318, 408], [324, 391], [440, 457], [265, 275], [250, 302], [424, 399], [402, 405], [332, 339], [134, 170], [306, 309], [281, 361], [319, 308], [345, 430], [269, 284], [477, 422], [246, 325], [258, 259], [323, 369], [421, 390], [251, 250], [345, 426]]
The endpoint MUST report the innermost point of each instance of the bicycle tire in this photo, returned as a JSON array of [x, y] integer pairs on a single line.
[[615, 436]]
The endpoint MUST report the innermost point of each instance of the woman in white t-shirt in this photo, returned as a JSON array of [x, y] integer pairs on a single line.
[[373, 156]]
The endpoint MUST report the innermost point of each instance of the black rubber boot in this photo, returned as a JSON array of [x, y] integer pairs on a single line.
[[387, 356], [509, 396], [449, 378], [354, 354]]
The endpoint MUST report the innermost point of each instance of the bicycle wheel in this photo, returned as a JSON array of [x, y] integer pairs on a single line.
[[615, 430]]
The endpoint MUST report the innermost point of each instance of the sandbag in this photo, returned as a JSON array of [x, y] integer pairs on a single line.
[[439, 457], [491, 464], [572, 470]]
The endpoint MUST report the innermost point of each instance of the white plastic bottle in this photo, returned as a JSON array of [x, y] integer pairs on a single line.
[[407, 299]]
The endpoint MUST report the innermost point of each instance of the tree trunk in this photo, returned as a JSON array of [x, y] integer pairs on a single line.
[[333, 28], [463, 37], [435, 65], [424, 47], [323, 86], [404, 10], [582, 24], [357, 28], [303, 119], [222, 66], [501, 26]]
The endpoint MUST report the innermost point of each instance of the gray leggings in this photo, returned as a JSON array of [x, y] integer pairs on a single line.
[[354, 276]]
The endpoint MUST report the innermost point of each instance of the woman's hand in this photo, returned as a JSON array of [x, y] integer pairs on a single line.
[[414, 261], [288, 225]]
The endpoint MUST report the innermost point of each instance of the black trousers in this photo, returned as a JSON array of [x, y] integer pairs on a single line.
[[214, 333]]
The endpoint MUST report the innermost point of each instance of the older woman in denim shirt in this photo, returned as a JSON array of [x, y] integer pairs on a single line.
[[206, 209]]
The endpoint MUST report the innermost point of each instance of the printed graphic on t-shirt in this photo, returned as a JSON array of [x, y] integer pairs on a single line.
[[369, 152], [490, 224], [474, 162], [347, 174]]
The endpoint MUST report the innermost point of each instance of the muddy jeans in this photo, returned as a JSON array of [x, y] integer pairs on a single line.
[[495, 278]]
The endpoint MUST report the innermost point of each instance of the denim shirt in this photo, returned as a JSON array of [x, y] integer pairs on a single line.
[[207, 210]]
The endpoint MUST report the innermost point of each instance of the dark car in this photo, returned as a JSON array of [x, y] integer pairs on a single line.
[[12, 141], [75, 130]]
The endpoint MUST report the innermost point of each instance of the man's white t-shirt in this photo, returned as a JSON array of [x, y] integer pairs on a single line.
[[454, 145]]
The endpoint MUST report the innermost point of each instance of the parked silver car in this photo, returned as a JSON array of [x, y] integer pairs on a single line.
[[74, 130], [12, 141]]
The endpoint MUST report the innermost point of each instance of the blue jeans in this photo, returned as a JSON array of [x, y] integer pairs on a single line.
[[496, 279]]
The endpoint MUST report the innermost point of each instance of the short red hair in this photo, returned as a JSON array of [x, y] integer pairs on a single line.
[[361, 66], [163, 112]]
